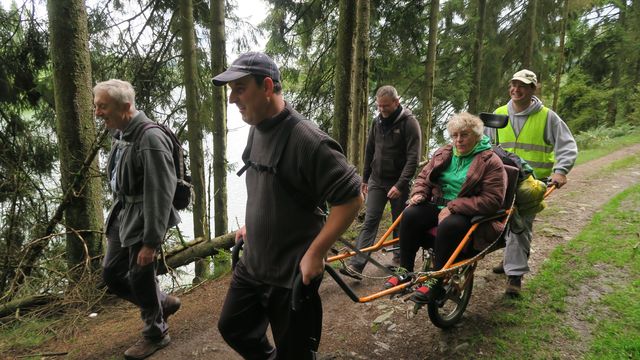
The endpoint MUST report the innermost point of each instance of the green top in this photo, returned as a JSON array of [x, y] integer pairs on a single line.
[[455, 174]]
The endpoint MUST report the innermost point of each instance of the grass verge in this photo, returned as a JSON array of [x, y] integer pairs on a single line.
[[585, 302], [607, 147]]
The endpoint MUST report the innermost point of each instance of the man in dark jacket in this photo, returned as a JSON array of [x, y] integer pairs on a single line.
[[391, 157], [143, 180], [291, 167]]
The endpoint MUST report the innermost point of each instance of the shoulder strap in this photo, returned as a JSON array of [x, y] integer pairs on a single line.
[[177, 153], [288, 125]]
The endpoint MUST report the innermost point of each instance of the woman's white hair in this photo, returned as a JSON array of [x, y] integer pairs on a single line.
[[463, 121], [119, 90]]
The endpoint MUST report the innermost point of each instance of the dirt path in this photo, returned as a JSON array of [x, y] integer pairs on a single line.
[[349, 331]]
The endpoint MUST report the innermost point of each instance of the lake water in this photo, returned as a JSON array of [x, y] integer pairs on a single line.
[[238, 131]]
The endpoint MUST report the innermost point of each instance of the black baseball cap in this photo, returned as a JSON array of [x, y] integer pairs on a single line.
[[251, 63]]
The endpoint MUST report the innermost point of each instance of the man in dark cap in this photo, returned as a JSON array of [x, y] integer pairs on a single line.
[[292, 169]]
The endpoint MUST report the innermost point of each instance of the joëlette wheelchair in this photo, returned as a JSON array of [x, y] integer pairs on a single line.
[[456, 275]]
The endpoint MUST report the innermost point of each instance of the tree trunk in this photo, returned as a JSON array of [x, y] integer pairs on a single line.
[[360, 88], [430, 70], [620, 54], [219, 117], [527, 60], [344, 66], [198, 249], [474, 95], [560, 71], [195, 132], [75, 127]]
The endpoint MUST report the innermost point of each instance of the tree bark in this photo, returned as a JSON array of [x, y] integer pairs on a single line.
[[360, 88], [75, 128], [430, 70], [474, 95], [197, 249], [532, 10], [219, 117], [560, 70], [195, 132], [25, 303], [342, 80]]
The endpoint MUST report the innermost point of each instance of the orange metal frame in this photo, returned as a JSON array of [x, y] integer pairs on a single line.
[[450, 263]]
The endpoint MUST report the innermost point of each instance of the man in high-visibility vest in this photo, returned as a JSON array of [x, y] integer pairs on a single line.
[[538, 135]]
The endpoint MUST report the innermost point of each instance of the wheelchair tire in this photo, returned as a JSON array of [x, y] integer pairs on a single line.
[[447, 312]]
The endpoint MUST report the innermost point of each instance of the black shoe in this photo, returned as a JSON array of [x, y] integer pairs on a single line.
[[514, 284], [498, 269], [352, 272]]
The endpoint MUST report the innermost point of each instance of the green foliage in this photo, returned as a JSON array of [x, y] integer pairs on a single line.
[[603, 146], [597, 137], [28, 151], [583, 104]]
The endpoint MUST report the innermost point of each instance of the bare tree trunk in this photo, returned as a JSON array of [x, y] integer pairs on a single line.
[[75, 127], [560, 71], [430, 70], [474, 95], [219, 117], [195, 132], [344, 66], [360, 88], [198, 249], [532, 11]]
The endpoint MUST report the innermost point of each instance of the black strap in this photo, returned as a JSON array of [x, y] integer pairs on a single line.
[[287, 126]]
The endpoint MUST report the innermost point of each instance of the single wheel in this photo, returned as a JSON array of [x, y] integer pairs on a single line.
[[446, 312]]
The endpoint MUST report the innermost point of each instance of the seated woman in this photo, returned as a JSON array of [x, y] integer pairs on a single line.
[[462, 180]]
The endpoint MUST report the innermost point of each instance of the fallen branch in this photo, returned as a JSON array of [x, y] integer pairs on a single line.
[[43, 355], [195, 250], [28, 302]]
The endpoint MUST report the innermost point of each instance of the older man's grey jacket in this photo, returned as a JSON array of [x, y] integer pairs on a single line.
[[145, 184]]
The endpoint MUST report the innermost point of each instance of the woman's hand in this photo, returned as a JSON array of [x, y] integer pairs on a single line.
[[443, 214], [416, 199]]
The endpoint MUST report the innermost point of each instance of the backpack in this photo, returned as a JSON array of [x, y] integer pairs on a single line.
[[319, 208], [509, 158], [530, 191], [182, 196]]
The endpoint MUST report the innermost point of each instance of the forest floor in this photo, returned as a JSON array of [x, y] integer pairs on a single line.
[[349, 331]]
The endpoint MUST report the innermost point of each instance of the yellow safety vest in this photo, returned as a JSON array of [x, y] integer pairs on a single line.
[[529, 144]]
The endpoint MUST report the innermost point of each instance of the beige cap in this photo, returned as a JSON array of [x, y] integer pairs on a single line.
[[526, 76]]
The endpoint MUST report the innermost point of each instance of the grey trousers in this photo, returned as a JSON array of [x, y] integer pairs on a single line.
[[518, 246], [134, 283], [376, 202]]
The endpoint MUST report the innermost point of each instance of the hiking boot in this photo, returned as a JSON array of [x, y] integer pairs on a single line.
[[498, 269], [396, 280], [352, 271], [145, 348], [171, 306], [514, 283]]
